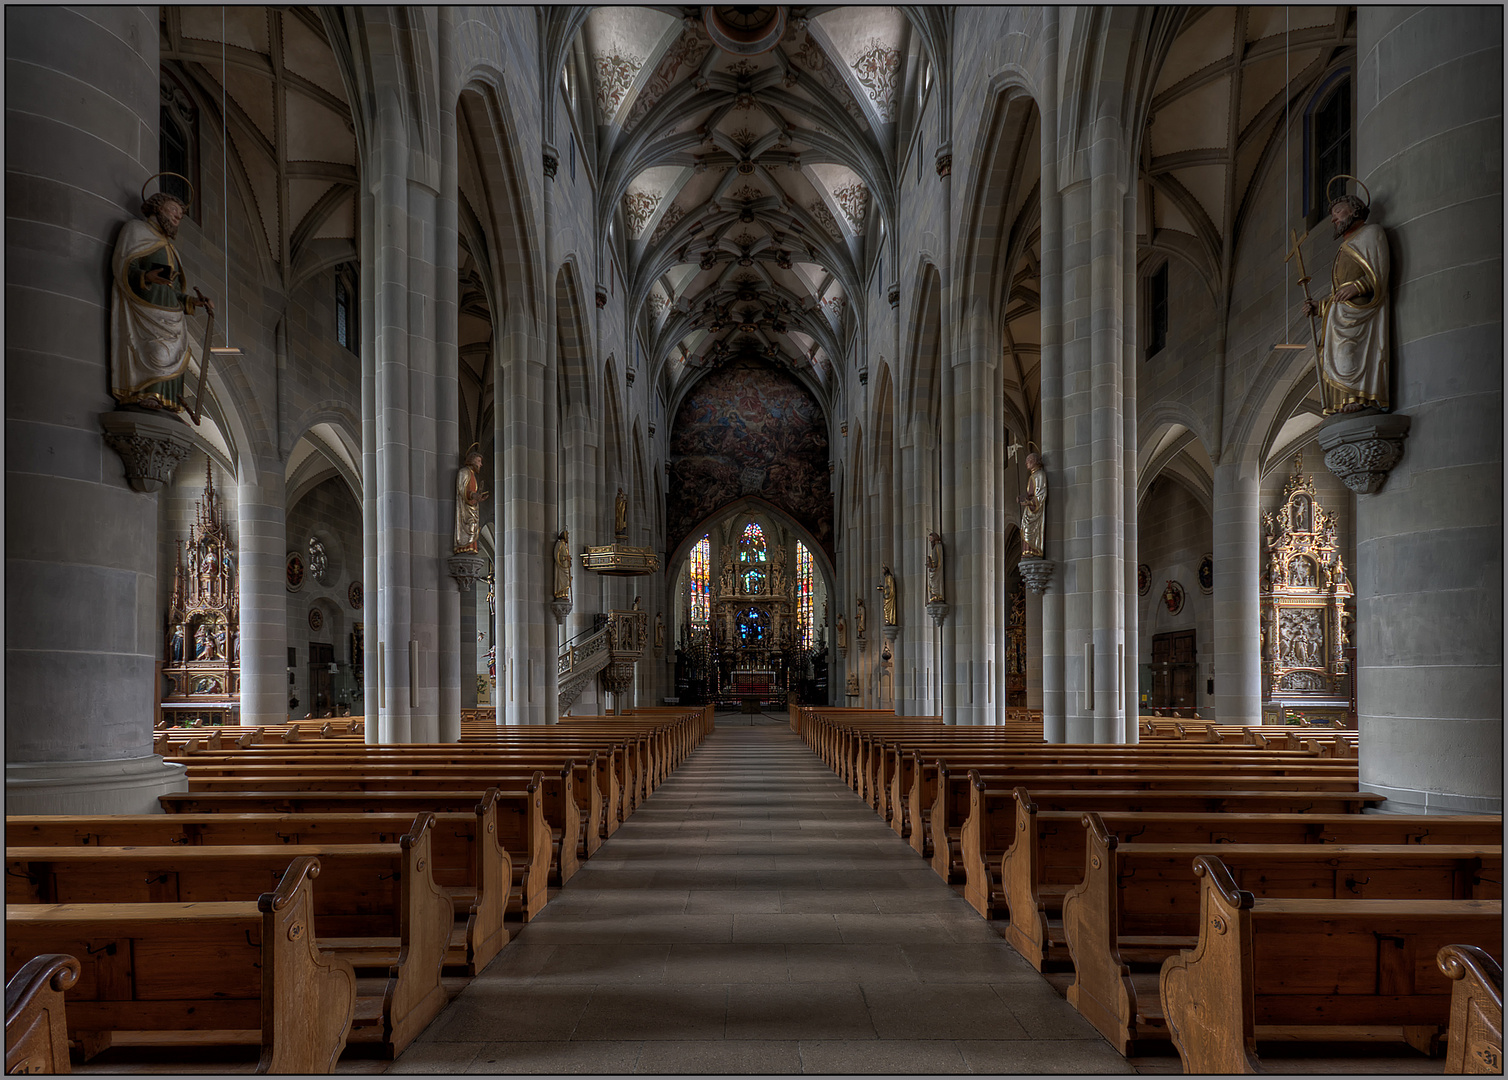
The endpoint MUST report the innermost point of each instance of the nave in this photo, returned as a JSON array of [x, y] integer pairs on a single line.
[[754, 916]]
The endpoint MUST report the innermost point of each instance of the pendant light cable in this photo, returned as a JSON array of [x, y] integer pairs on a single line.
[[224, 180]]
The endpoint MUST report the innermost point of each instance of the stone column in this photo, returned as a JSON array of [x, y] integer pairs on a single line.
[[83, 632], [1429, 545], [263, 524], [451, 677], [1238, 617]]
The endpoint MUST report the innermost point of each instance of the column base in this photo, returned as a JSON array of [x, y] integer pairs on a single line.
[[1411, 801], [128, 786]]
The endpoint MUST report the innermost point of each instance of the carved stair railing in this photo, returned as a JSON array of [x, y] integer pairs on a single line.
[[580, 661], [611, 648]]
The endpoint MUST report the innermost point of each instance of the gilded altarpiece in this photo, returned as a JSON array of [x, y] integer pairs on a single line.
[[754, 618], [1303, 597], [202, 654]]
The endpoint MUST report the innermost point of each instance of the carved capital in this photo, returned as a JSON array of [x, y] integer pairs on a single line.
[[151, 446], [937, 611], [944, 161], [1036, 573], [890, 632], [467, 570], [551, 161], [602, 296], [561, 608], [1362, 450], [893, 294]]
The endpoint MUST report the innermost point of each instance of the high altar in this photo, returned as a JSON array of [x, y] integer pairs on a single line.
[[202, 656], [1306, 657]]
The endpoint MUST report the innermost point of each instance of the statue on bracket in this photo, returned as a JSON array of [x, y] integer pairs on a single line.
[[934, 569], [659, 632], [150, 336], [469, 499], [887, 594], [859, 617], [725, 576], [842, 633], [620, 516], [563, 565], [1034, 510], [1353, 354]]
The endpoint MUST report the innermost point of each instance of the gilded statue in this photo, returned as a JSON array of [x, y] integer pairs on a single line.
[[469, 499], [934, 568], [1034, 510], [150, 338], [620, 515], [563, 565], [887, 593], [1353, 360], [859, 617]]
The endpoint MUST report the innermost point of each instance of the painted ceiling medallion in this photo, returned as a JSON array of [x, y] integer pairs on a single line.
[[744, 30]]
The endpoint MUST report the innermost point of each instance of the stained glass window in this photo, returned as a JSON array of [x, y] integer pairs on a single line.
[[701, 593], [804, 594], [751, 545], [753, 627]]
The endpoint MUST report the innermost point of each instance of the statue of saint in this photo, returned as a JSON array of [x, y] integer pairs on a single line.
[[150, 346], [725, 579], [660, 630], [934, 568], [1354, 318], [853, 684], [202, 644], [842, 632], [778, 558], [620, 515], [887, 592], [563, 565], [469, 498], [859, 617], [219, 642], [1034, 510], [635, 606], [175, 648]]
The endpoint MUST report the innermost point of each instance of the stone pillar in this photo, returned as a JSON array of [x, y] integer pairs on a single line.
[[1084, 452], [467, 644], [1238, 617], [1429, 545], [83, 632], [977, 571], [263, 524]]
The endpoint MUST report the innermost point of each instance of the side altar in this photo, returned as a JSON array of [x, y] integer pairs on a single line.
[[202, 653], [1307, 660]]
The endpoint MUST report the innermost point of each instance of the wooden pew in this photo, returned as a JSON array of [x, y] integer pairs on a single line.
[[556, 795], [231, 971], [1311, 968], [468, 862], [36, 1025], [521, 823], [1475, 1044], [1138, 904], [378, 908], [1046, 858]]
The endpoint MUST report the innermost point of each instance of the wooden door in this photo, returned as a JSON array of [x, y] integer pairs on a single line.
[[321, 682]]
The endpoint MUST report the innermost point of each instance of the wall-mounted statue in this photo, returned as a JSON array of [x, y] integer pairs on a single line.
[[934, 569], [888, 606], [469, 499], [859, 617], [562, 565], [725, 576], [1034, 510], [842, 632], [150, 304], [853, 684], [660, 631], [1354, 317], [620, 515]]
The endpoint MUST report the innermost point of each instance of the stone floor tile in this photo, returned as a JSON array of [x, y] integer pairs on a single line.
[[512, 1010], [939, 1011], [622, 963], [881, 1057], [980, 962], [1041, 1056], [736, 963], [805, 901], [657, 1011], [709, 901], [786, 929], [727, 1058], [556, 1058], [859, 929], [798, 1011], [863, 964], [1042, 1016], [435, 1057]]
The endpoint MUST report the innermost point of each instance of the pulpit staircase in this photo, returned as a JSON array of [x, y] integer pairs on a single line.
[[611, 648]]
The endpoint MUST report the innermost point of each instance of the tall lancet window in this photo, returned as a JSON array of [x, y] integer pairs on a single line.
[[701, 594], [804, 594], [751, 554]]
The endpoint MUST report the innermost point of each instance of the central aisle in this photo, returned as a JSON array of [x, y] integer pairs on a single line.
[[754, 916]]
